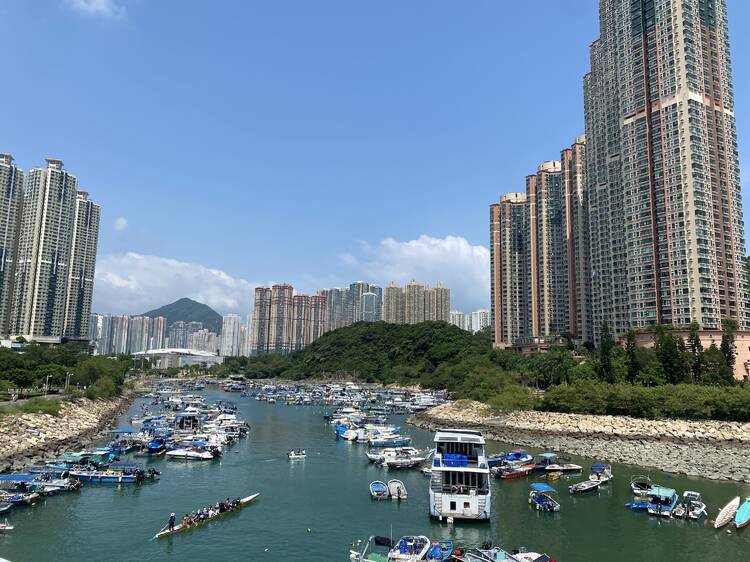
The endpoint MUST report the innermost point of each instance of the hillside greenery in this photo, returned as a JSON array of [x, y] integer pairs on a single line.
[[188, 310], [674, 379]]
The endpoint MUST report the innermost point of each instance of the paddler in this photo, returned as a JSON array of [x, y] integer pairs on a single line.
[[171, 522]]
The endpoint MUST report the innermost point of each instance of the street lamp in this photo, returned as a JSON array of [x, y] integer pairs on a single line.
[[46, 385]]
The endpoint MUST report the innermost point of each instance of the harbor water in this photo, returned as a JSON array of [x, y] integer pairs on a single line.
[[314, 509]]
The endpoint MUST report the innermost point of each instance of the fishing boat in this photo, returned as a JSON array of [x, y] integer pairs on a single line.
[[378, 490], [727, 513], [542, 497], [179, 528], [5, 526], [379, 455], [742, 517], [397, 490], [116, 474], [5, 506], [515, 457], [299, 454], [641, 486], [545, 459], [509, 472], [601, 472], [691, 506], [20, 498], [662, 501], [410, 548], [191, 454], [584, 486]]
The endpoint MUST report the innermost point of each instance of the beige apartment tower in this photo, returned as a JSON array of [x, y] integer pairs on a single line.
[[393, 304], [665, 209], [44, 252], [11, 200], [82, 268]]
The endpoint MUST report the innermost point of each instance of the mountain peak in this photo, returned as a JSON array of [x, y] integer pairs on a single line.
[[188, 310]]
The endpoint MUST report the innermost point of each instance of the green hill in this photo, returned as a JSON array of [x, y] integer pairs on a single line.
[[189, 310]]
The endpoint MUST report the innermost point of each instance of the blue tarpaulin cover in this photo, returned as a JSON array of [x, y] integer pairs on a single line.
[[542, 487]]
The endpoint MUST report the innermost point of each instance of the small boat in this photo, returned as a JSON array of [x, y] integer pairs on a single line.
[[396, 490], [191, 454], [563, 467], [662, 501], [19, 498], [440, 551], [488, 553], [509, 472], [515, 457], [727, 513], [542, 498], [297, 455], [690, 507], [426, 470], [392, 440], [641, 486], [6, 526], [585, 486], [410, 548], [601, 472], [638, 506], [742, 517], [378, 490], [179, 528], [5, 506]]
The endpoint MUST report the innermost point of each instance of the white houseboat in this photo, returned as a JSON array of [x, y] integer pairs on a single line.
[[460, 481]]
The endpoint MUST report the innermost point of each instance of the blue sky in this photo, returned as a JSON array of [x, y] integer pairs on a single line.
[[239, 142]]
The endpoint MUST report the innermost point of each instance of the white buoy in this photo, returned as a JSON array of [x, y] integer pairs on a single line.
[[450, 520]]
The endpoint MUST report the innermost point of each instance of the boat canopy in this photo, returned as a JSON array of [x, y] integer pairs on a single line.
[[542, 487], [599, 467], [122, 430], [662, 492], [548, 455]]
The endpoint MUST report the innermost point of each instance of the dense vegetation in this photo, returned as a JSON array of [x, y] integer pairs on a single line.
[[34, 366], [188, 310], [674, 379]]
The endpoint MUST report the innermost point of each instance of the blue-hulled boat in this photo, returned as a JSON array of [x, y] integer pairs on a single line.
[[379, 490], [742, 517], [440, 551], [121, 473], [392, 440], [542, 498], [156, 446]]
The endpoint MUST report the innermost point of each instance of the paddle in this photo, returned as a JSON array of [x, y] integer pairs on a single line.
[[164, 528]]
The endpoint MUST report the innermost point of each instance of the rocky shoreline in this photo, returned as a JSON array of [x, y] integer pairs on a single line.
[[30, 439], [708, 449]]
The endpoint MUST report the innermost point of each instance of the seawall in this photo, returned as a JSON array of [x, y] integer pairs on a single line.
[[28, 439], [709, 449]]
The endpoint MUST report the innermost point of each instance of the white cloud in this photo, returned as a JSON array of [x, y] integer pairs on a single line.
[[132, 283], [453, 260], [121, 223], [97, 8]]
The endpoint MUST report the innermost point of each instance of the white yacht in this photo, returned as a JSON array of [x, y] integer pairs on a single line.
[[460, 481]]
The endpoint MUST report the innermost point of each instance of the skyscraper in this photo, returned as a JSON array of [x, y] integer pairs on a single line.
[[138, 334], [301, 322], [662, 169], [337, 313], [80, 283], [178, 335], [318, 316], [44, 252], [280, 321], [11, 199], [573, 161], [158, 330], [230, 336], [509, 269], [414, 303], [393, 304], [261, 319]]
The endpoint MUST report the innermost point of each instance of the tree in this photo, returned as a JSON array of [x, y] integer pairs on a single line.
[[631, 357], [606, 345], [715, 368], [671, 353], [728, 349], [695, 349]]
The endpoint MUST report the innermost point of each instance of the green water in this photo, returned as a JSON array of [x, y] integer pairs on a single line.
[[328, 494]]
